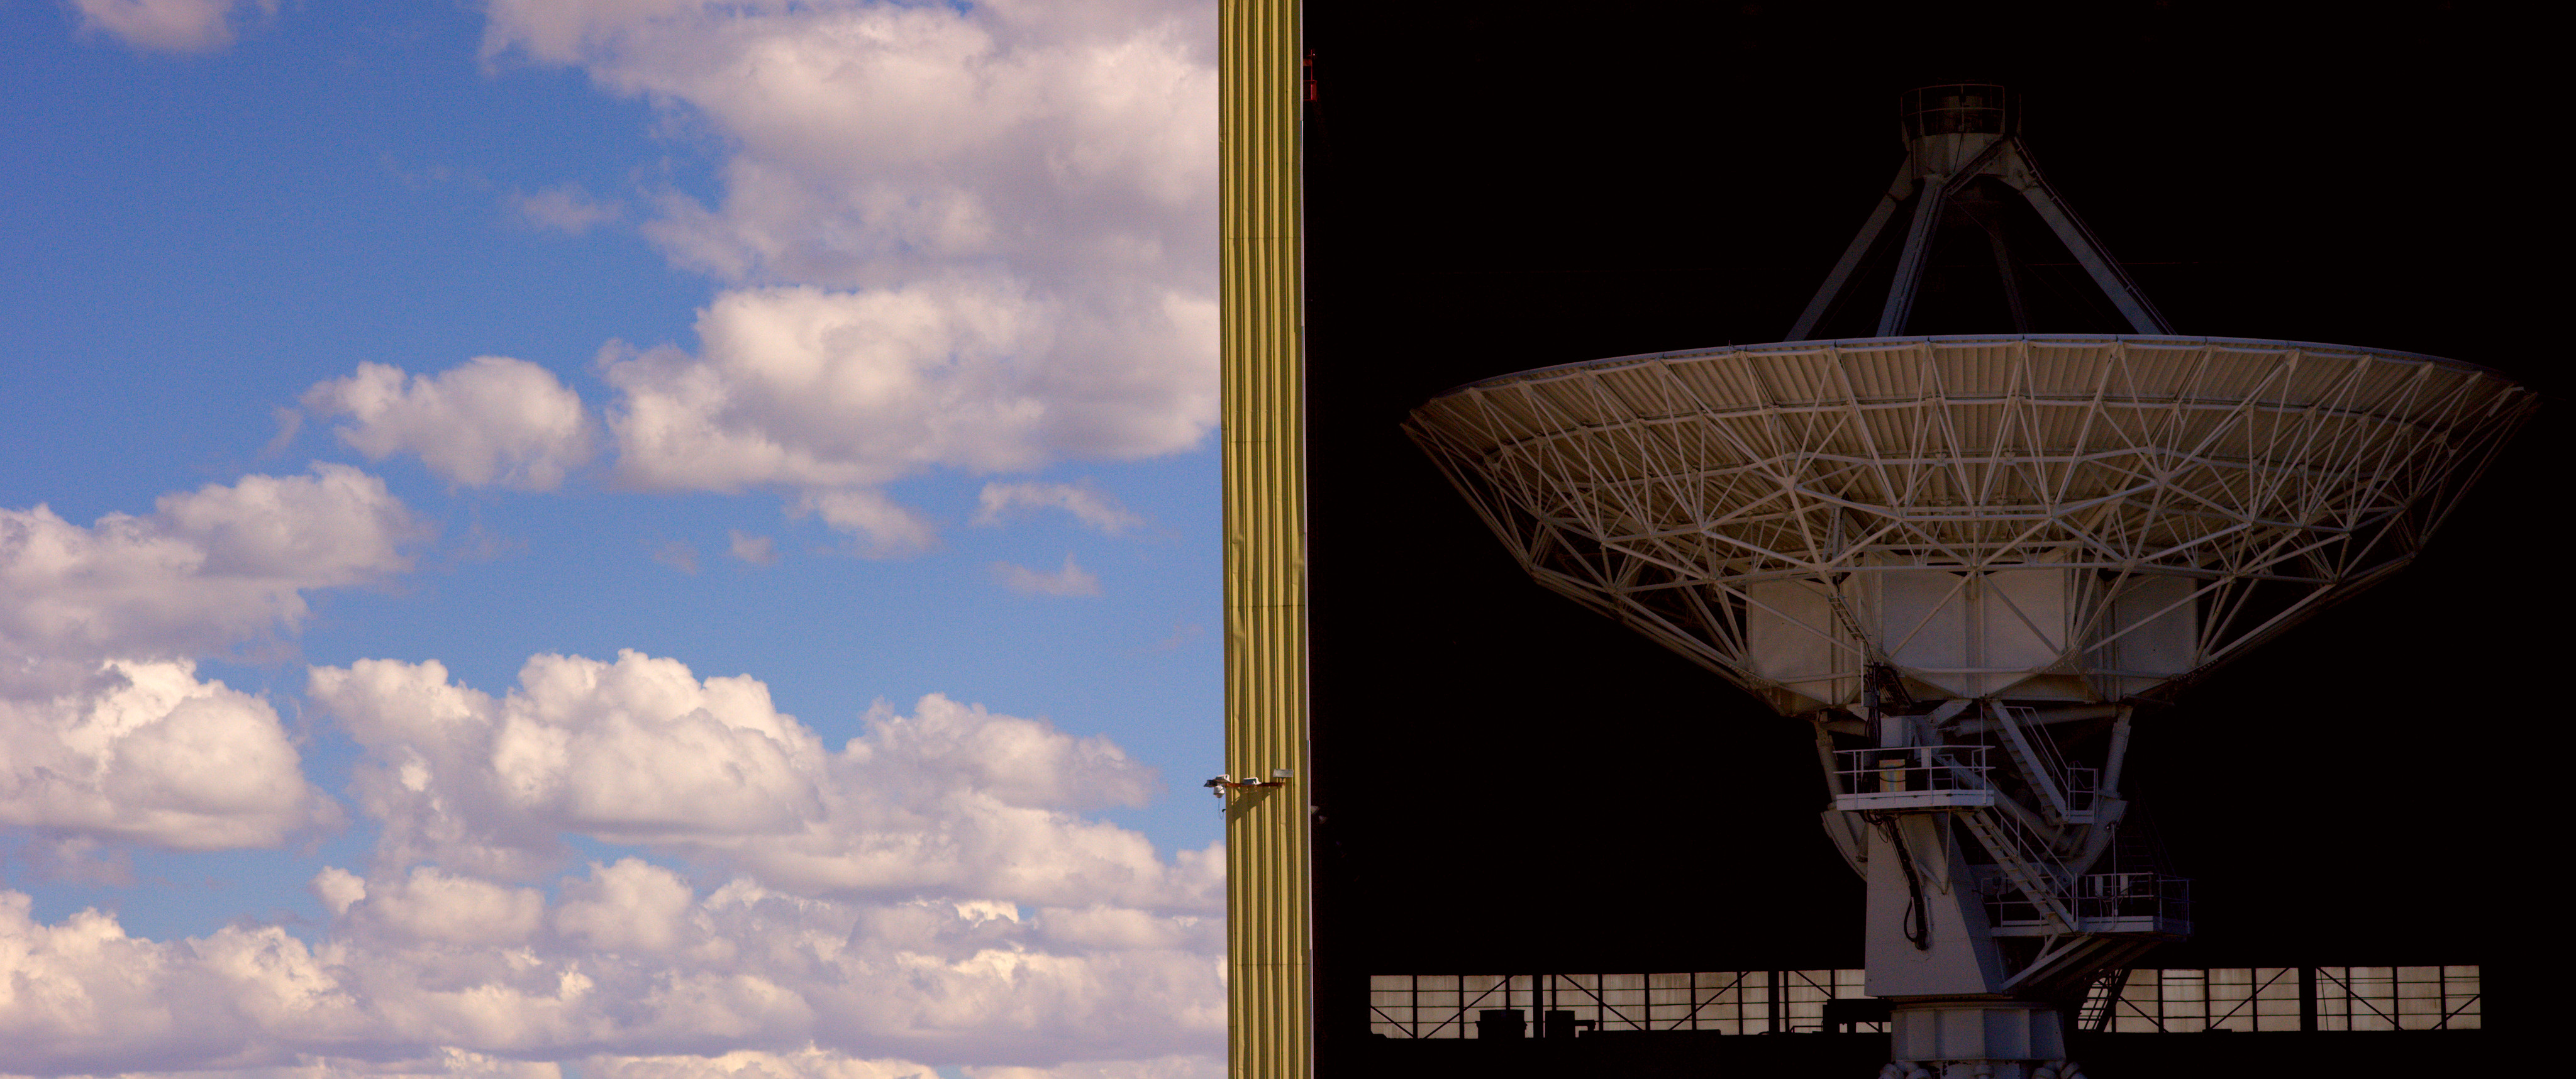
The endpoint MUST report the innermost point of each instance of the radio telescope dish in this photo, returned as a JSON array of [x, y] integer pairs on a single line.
[[2038, 518], [1967, 558]]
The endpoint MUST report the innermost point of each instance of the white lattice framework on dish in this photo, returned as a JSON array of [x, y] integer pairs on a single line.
[[2030, 517]]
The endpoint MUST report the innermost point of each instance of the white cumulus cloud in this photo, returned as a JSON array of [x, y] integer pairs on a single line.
[[207, 570], [999, 501], [153, 755], [975, 237], [632, 906], [430, 906], [928, 890], [1170, 1067], [952, 799], [81, 996], [882, 527], [494, 420], [807, 1063], [467, 978], [166, 25]]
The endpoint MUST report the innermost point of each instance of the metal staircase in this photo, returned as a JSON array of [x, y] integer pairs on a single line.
[[2027, 863], [1998, 772], [2039, 765]]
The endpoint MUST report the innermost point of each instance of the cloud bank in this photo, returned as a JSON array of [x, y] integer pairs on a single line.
[[950, 800], [970, 238], [929, 890], [427, 966], [206, 571], [973, 237], [154, 756]]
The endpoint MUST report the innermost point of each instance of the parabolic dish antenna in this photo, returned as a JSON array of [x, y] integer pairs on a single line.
[[1966, 559], [2048, 519]]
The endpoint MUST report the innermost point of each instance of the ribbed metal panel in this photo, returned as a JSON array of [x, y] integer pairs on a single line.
[[1268, 940]]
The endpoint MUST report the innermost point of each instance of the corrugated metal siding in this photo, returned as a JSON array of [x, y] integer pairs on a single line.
[[1268, 939]]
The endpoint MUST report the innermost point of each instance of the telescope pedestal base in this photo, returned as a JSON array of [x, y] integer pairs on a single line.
[[1978, 1039]]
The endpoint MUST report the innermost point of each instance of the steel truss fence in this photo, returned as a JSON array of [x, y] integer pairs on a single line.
[[2298, 998], [2170, 1000], [1731, 1002]]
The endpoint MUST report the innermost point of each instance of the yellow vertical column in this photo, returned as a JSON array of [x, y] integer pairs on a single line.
[[1268, 1016]]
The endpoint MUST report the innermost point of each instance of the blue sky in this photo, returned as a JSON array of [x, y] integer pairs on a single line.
[[862, 351]]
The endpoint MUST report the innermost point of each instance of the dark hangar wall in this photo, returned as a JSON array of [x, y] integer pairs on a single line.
[[1509, 783]]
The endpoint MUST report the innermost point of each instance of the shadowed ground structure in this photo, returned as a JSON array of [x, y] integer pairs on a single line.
[[1509, 782]]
